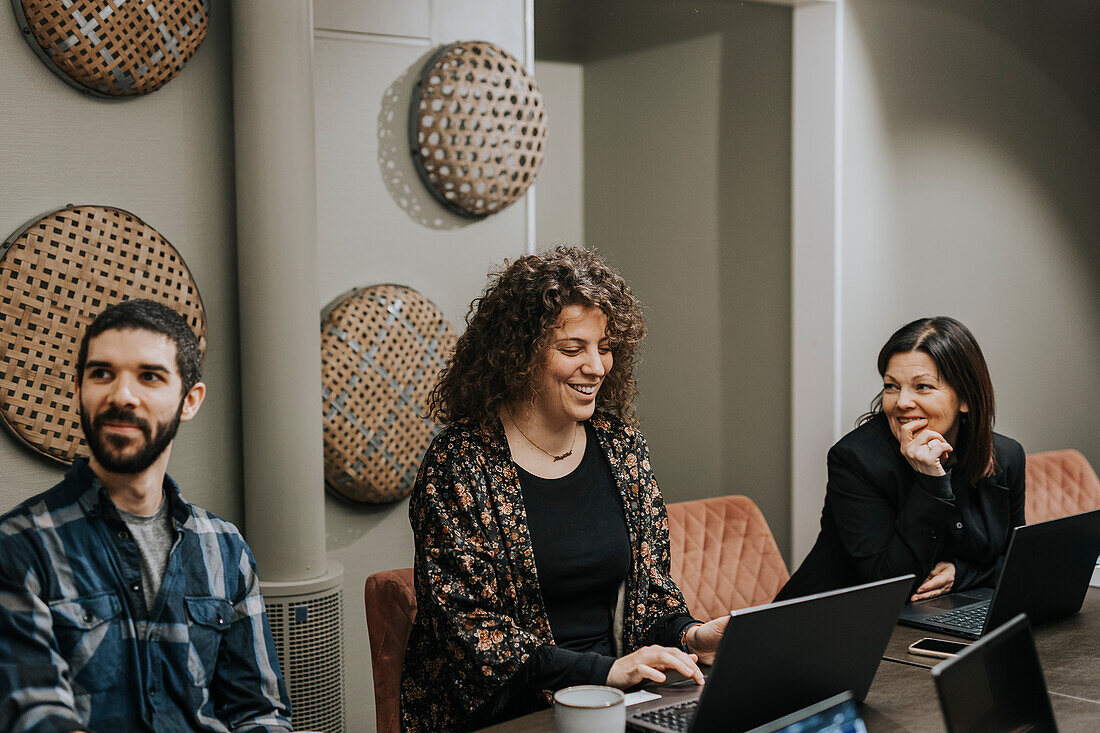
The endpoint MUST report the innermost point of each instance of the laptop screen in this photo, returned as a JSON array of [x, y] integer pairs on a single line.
[[996, 685], [838, 714]]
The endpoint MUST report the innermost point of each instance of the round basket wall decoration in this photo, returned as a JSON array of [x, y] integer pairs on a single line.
[[381, 350], [477, 128], [56, 275], [113, 48]]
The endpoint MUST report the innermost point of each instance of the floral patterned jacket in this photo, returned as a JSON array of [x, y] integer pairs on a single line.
[[480, 613]]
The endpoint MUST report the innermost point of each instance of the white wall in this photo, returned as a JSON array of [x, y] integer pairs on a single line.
[[168, 158], [378, 224], [559, 200], [686, 175], [971, 176], [652, 179]]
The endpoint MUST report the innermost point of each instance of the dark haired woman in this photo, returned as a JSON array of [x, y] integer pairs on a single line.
[[923, 485], [542, 553]]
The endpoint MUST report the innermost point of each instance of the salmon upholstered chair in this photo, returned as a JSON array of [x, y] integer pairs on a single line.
[[723, 555], [390, 600], [1059, 483]]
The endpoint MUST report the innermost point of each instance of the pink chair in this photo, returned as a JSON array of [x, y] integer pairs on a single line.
[[1059, 483], [723, 555], [390, 601]]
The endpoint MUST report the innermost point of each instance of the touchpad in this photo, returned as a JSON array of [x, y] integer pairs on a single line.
[[951, 601]]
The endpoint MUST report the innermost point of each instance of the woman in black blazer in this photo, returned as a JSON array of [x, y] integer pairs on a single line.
[[923, 485]]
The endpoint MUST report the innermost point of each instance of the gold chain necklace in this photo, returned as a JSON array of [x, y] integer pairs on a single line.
[[556, 458]]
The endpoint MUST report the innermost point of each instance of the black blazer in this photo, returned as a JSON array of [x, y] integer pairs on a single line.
[[882, 519]]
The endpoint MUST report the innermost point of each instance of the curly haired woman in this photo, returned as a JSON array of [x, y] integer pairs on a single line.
[[542, 553]]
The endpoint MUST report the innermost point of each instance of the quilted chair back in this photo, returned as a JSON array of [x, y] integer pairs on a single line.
[[723, 555], [391, 607], [1059, 483]]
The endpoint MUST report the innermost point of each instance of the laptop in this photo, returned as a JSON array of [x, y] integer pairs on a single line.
[[838, 714], [1046, 573], [781, 657], [996, 684]]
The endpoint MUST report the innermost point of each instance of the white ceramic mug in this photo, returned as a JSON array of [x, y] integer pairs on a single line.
[[589, 709]]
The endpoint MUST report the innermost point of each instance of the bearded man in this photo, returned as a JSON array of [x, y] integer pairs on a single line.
[[122, 606]]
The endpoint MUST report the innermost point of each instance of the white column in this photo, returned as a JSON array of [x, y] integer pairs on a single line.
[[277, 268], [530, 245], [815, 260]]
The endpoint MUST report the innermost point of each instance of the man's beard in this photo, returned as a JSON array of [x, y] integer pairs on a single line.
[[154, 444]]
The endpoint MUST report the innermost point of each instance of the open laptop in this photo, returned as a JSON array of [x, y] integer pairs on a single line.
[[996, 685], [838, 714], [1045, 574], [777, 658]]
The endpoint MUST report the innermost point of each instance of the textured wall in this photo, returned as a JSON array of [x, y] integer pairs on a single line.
[[378, 224], [168, 158]]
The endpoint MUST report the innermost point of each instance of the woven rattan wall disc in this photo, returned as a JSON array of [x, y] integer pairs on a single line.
[[113, 48], [56, 275], [477, 128], [381, 350]]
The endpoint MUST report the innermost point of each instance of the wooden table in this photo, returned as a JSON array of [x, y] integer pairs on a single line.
[[1069, 651], [903, 696]]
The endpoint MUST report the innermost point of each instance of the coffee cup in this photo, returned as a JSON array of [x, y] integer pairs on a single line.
[[589, 709]]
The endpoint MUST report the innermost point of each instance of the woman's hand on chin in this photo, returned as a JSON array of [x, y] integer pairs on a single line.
[[650, 663], [938, 582], [924, 449]]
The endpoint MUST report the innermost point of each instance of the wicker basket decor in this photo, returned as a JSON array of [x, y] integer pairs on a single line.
[[56, 275], [113, 48], [477, 128], [381, 350]]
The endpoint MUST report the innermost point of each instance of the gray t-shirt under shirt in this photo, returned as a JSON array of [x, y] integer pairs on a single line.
[[154, 536]]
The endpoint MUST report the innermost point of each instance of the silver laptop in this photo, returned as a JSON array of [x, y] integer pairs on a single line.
[[1046, 573], [778, 658]]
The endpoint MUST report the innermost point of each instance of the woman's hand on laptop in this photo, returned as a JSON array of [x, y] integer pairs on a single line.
[[650, 663], [938, 582], [703, 639]]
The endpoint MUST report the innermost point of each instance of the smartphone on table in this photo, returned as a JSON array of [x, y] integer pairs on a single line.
[[941, 648]]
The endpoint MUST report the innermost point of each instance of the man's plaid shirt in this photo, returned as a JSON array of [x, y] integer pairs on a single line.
[[79, 649]]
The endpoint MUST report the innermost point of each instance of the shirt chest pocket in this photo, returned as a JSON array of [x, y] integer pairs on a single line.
[[208, 620], [89, 632]]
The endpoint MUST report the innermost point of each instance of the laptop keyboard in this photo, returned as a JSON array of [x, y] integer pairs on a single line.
[[971, 619], [674, 717]]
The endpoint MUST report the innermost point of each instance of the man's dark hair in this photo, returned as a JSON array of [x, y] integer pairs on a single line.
[[148, 315]]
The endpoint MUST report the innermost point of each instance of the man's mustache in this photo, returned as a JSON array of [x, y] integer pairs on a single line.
[[117, 415]]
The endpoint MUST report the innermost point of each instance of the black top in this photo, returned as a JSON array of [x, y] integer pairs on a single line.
[[582, 550], [882, 519], [582, 555]]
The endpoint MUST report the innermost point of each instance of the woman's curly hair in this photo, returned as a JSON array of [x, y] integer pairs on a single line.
[[500, 356]]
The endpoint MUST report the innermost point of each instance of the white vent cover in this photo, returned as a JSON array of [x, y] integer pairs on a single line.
[[307, 621]]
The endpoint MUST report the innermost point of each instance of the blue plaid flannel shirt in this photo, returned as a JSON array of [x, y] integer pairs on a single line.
[[78, 648]]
